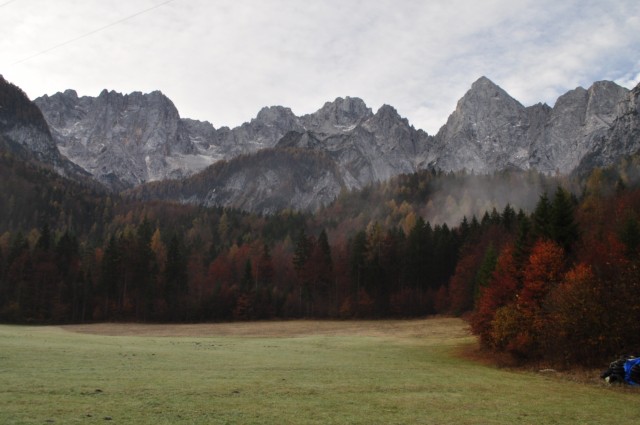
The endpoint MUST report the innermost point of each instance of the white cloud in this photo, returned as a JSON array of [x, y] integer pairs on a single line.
[[223, 60]]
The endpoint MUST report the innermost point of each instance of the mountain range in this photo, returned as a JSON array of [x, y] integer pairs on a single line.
[[25, 133], [138, 142]]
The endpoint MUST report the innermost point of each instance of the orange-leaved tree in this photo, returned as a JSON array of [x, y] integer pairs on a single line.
[[543, 272], [500, 291], [577, 325]]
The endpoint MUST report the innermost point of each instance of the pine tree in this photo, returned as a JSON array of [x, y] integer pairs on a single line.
[[357, 259], [264, 269], [247, 282], [564, 229], [325, 249], [542, 218], [629, 235], [176, 277], [419, 256], [111, 276], [464, 229], [144, 269], [522, 245], [44, 241], [508, 217], [486, 269], [302, 251]]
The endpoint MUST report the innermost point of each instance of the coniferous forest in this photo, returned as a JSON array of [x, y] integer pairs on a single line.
[[553, 278]]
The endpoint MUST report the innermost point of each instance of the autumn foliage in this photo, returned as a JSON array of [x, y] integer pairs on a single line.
[[573, 305], [556, 283]]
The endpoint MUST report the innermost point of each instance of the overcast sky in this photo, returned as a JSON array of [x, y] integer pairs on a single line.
[[222, 60]]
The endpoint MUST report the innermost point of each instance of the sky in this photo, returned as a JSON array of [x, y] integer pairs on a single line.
[[223, 60]]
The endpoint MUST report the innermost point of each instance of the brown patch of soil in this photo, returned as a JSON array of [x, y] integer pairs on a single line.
[[437, 328]]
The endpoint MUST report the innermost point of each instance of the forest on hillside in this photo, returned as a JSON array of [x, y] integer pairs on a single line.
[[548, 278]]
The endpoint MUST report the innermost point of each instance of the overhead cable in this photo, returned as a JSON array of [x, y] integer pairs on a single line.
[[119, 21]]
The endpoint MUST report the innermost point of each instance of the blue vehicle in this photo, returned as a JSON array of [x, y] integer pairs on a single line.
[[626, 370]]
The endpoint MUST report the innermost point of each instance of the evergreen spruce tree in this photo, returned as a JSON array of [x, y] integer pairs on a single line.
[[564, 229], [111, 276], [323, 245], [44, 241], [522, 245], [488, 265], [464, 229], [542, 218], [508, 217], [176, 277], [247, 282], [302, 251], [629, 235], [265, 269]]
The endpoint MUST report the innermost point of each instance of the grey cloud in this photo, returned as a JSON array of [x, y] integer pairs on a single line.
[[223, 60]]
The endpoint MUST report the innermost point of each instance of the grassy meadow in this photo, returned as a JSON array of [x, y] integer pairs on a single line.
[[306, 372]]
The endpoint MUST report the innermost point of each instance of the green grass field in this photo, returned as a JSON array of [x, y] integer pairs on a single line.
[[281, 373]]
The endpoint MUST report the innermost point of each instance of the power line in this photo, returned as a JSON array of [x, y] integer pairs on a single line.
[[6, 3], [119, 21]]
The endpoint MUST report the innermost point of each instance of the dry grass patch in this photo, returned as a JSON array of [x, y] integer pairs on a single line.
[[439, 329]]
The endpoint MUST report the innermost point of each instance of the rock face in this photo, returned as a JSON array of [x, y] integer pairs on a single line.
[[24, 132], [622, 139], [341, 115], [342, 146], [267, 181], [487, 131], [490, 131], [366, 147], [127, 140]]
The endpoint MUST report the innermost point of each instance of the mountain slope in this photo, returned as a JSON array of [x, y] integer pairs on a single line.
[[267, 181], [122, 140], [622, 139], [350, 148], [490, 131], [25, 133], [127, 140]]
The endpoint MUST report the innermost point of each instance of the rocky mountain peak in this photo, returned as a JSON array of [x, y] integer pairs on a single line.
[[581, 111], [276, 115], [489, 130], [483, 81], [604, 97], [121, 139], [140, 137], [483, 109], [388, 114], [342, 113], [388, 124], [70, 93], [486, 99]]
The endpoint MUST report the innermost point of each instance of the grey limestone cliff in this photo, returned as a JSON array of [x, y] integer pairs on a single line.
[[490, 131], [341, 146], [25, 133], [122, 140], [621, 140], [127, 140]]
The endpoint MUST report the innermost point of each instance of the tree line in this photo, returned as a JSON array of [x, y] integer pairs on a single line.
[[565, 294], [555, 284]]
